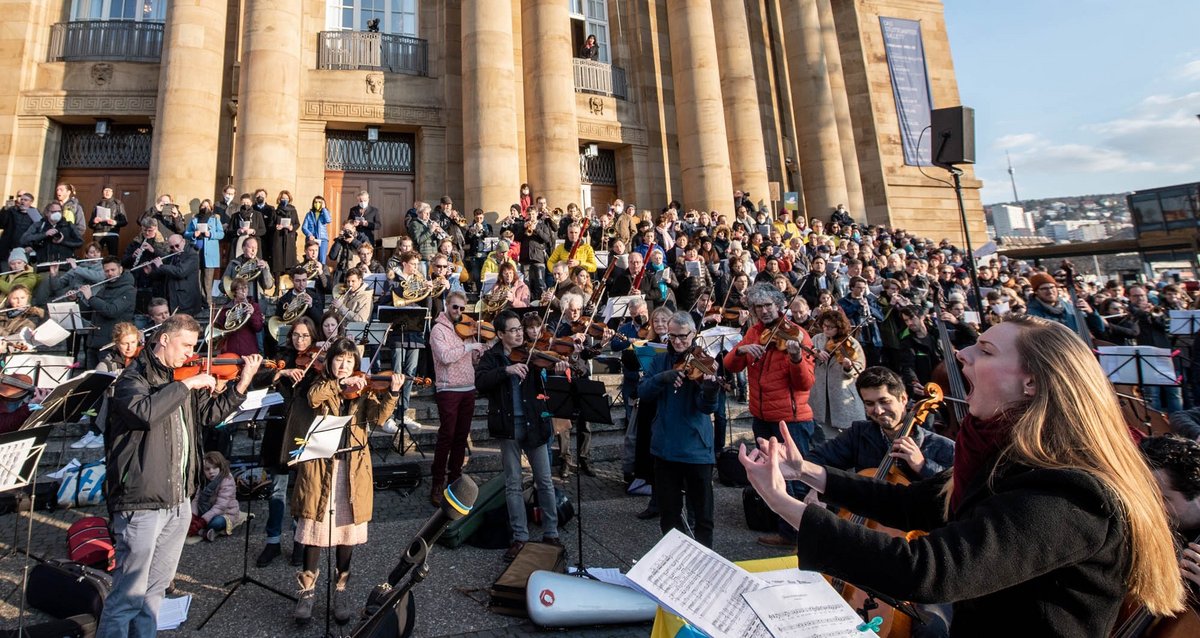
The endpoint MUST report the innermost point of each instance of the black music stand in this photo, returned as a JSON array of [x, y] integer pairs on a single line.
[[253, 417], [405, 319], [585, 400], [1146, 369]]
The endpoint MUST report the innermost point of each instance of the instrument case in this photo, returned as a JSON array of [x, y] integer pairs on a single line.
[[508, 592], [491, 496], [64, 588]]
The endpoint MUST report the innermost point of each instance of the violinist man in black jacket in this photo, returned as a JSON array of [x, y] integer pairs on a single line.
[[154, 453]]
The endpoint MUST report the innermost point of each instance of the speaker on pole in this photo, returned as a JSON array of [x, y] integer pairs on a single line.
[[952, 137]]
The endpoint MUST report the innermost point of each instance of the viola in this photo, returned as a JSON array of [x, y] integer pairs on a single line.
[[15, 387], [470, 328], [381, 382], [225, 367], [593, 329]]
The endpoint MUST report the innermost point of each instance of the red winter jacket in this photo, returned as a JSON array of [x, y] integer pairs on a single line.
[[778, 387]]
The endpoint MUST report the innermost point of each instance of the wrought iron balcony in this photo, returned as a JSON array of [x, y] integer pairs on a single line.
[[363, 50], [598, 77], [110, 40]]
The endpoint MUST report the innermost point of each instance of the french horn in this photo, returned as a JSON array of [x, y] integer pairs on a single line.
[[411, 290], [495, 301], [292, 311]]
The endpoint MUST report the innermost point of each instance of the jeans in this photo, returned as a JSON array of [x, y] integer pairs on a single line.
[[536, 279], [539, 462], [455, 410], [806, 434], [1167, 399], [405, 360], [629, 449], [148, 544], [218, 523], [671, 481], [275, 506]]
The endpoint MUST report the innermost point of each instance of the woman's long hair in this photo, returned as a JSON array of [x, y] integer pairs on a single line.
[[1073, 421]]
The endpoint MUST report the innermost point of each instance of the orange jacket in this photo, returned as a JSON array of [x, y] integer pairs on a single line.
[[778, 387]]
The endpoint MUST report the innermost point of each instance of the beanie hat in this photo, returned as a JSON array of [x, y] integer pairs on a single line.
[[1040, 279], [18, 254]]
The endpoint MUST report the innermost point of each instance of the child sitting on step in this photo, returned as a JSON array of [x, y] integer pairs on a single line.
[[215, 508]]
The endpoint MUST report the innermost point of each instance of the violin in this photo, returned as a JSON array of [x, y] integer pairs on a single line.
[[15, 387], [593, 329], [730, 313], [470, 328], [697, 364], [894, 624], [381, 382], [225, 367], [542, 359], [312, 356], [781, 333]]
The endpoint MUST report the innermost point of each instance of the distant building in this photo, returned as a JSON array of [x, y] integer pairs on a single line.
[[1076, 230], [1011, 221]]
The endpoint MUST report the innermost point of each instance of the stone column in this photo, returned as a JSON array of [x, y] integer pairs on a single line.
[[818, 145], [183, 151], [551, 133], [490, 165], [841, 105], [747, 152], [699, 111], [268, 121]]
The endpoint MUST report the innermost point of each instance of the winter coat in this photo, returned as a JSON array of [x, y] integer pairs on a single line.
[[310, 497], [316, 224], [181, 277], [56, 248], [1062, 313], [225, 504], [209, 246], [252, 219], [283, 242], [371, 215], [28, 278], [833, 387], [778, 388], [493, 382], [154, 430], [584, 255], [863, 445], [1038, 551], [536, 246], [682, 431], [111, 304]]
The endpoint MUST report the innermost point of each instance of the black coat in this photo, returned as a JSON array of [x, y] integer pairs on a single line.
[[536, 246], [1041, 552], [371, 215], [181, 278], [149, 413], [283, 242], [49, 249], [111, 304], [493, 382]]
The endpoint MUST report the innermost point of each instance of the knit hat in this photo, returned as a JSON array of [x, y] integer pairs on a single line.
[[18, 254], [1037, 280]]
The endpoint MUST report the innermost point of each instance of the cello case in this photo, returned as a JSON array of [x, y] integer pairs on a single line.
[[559, 600]]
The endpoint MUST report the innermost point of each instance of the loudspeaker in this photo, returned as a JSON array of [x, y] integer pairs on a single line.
[[952, 137]]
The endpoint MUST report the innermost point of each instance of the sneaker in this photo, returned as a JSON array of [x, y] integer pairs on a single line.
[[513, 550], [268, 555], [191, 540], [776, 540], [390, 426], [412, 423], [210, 534], [96, 443], [84, 441]]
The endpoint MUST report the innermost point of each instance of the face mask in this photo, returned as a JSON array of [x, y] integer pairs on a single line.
[[260, 199], [228, 199], [284, 201], [55, 217]]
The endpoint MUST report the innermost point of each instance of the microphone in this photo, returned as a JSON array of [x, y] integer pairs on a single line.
[[457, 501]]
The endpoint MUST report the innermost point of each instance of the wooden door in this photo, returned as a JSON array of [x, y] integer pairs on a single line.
[[391, 194], [129, 186]]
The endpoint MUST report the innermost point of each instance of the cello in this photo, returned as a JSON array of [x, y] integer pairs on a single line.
[[948, 371], [867, 603], [1140, 623]]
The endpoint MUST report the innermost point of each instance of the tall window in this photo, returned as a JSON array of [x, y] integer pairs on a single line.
[[397, 17], [137, 10], [590, 17]]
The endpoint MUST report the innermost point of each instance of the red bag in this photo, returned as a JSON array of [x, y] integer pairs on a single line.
[[90, 543], [196, 526]]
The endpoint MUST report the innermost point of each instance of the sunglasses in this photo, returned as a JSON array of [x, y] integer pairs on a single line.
[[457, 307]]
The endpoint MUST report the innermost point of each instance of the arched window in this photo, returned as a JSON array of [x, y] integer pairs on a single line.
[[136, 10], [397, 17]]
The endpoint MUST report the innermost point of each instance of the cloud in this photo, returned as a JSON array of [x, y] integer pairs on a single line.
[[1161, 127], [1016, 140], [1191, 70]]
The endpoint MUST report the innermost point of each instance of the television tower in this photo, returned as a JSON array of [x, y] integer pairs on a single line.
[[1012, 177]]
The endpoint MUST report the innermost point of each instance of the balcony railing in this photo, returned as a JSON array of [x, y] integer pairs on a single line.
[[112, 40], [363, 50], [598, 77]]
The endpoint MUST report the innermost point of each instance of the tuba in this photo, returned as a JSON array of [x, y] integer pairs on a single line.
[[410, 290], [294, 309]]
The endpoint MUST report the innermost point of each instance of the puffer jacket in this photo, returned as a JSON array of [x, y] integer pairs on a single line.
[[153, 422], [778, 388]]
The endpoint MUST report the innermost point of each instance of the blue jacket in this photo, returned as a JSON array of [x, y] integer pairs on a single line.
[[1062, 313], [316, 226], [863, 445], [210, 249], [682, 431], [856, 315]]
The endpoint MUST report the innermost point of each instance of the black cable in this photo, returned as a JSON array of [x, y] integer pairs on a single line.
[[922, 169]]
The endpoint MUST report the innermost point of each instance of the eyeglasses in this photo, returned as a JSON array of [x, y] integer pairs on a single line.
[[515, 330], [680, 337], [455, 306], [441, 265]]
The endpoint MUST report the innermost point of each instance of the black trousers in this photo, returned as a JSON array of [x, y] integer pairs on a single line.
[[671, 480]]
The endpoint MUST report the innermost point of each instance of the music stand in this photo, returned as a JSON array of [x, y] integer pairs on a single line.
[[585, 400], [618, 307], [1184, 323], [70, 317], [20, 453], [1150, 367], [405, 319]]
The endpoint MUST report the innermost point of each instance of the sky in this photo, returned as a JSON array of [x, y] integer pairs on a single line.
[[1086, 96]]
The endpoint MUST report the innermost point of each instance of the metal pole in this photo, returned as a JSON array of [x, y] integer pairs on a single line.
[[956, 173]]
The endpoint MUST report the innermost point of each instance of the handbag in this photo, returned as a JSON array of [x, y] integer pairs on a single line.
[[83, 485]]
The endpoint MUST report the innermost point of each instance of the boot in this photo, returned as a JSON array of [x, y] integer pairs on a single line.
[[342, 610], [306, 595]]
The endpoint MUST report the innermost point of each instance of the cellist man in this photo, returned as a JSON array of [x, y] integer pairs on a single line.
[[779, 384]]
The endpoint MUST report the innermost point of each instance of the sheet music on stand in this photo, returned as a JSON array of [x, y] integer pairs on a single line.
[[374, 331], [602, 258], [322, 440], [377, 281], [48, 370], [49, 334], [489, 282], [20, 452], [68, 315], [720, 339], [256, 406], [1138, 365], [1184, 322], [618, 307]]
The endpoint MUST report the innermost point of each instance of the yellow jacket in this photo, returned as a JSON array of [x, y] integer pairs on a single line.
[[585, 256]]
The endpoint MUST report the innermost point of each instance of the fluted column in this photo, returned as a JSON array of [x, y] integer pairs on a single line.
[[841, 106], [268, 121], [490, 165], [551, 133], [743, 118], [818, 145], [183, 155], [699, 111]]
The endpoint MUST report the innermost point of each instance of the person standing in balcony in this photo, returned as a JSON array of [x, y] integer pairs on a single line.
[[590, 50]]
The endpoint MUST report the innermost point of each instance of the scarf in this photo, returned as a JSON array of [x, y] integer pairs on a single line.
[[662, 285], [978, 443], [208, 493]]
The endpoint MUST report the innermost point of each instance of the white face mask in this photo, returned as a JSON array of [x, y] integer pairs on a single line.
[[228, 199], [55, 217]]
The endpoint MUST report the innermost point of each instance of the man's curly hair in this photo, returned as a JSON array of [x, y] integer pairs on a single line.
[[1179, 458]]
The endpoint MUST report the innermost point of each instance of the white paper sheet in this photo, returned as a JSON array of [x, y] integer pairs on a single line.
[[618, 307], [173, 612], [48, 370], [322, 440], [805, 610], [50, 334], [697, 584]]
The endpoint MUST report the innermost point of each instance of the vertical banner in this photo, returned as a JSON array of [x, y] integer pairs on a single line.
[[910, 86]]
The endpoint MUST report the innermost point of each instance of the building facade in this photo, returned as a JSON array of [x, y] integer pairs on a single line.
[[685, 100]]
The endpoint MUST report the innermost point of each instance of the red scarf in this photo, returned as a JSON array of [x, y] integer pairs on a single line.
[[978, 442]]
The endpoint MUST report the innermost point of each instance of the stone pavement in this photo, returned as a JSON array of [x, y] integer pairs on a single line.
[[451, 602]]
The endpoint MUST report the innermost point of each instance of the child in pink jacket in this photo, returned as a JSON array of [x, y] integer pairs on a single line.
[[215, 508]]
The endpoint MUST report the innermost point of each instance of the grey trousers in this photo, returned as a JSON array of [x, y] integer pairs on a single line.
[[148, 544], [539, 462]]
